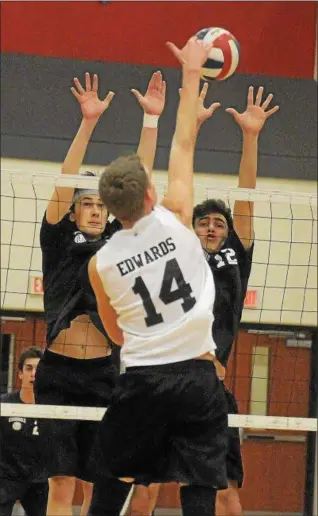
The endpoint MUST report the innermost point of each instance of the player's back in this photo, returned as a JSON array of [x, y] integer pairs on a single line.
[[160, 285]]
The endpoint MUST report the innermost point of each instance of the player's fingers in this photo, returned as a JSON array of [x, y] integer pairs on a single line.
[[214, 106], [138, 95], [204, 91], [158, 80], [232, 112], [75, 93], [164, 88], [272, 111], [88, 85], [109, 97], [267, 101], [250, 96], [259, 95], [176, 51], [95, 82], [78, 85], [152, 81]]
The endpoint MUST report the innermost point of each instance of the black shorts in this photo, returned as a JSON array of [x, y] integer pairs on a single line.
[[166, 423], [62, 380], [234, 463], [32, 496]]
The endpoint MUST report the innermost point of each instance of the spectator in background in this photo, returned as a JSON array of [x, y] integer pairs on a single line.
[[22, 472]]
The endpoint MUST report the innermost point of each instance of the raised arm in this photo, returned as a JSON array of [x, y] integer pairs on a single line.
[[152, 103], [92, 108], [179, 196], [251, 123]]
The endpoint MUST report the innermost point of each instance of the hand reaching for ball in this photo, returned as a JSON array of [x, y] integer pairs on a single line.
[[193, 55]]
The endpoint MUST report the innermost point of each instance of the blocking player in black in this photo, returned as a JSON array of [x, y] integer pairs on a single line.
[[228, 242], [22, 473], [78, 367]]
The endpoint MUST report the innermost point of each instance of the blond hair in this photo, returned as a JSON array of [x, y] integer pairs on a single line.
[[122, 188]]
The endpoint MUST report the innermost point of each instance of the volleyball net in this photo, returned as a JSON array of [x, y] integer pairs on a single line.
[[272, 369]]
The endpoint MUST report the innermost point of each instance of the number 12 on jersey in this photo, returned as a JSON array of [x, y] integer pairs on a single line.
[[167, 295]]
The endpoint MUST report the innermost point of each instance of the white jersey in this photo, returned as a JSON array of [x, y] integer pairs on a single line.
[[161, 286]]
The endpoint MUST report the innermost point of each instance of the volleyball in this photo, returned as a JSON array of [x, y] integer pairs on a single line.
[[224, 56]]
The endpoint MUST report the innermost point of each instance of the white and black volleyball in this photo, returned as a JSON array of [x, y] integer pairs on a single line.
[[224, 56]]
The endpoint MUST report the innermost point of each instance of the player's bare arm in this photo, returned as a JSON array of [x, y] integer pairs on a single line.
[[179, 197], [152, 103], [251, 122], [92, 108], [105, 310]]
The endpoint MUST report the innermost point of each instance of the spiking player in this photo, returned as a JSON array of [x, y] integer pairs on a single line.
[[167, 420]]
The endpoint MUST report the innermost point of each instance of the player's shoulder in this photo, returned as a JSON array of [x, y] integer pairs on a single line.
[[65, 222], [233, 241], [10, 397], [56, 233]]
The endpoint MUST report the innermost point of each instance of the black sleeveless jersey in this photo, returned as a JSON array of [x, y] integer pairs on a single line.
[[231, 268], [65, 256], [21, 446]]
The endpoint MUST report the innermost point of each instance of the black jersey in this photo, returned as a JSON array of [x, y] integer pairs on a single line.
[[231, 268], [65, 254], [21, 446]]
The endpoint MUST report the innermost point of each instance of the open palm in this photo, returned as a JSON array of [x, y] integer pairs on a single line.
[[153, 102], [254, 117], [92, 107], [204, 113]]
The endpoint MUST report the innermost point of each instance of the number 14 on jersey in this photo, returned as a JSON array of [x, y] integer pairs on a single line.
[[167, 294]]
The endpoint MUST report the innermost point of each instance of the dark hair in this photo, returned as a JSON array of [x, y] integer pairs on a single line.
[[122, 187], [31, 352], [213, 206]]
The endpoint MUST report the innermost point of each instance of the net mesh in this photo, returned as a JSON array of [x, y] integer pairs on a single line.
[[284, 274], [270, 368]]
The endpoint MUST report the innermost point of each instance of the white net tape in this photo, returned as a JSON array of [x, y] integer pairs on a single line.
[[96, 414], [47, 180]]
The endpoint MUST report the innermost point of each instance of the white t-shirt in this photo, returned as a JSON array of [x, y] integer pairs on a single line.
[[159, 283]]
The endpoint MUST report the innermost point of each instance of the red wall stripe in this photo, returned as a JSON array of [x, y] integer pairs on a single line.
[[277, 38]]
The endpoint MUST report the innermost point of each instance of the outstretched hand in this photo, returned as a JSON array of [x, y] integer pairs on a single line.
[[203, 113], [153, 102], [92, 107], [193, 55], [253, 118]]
